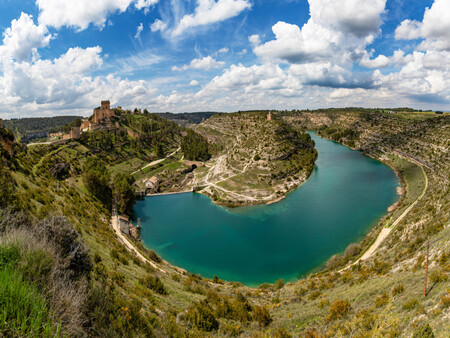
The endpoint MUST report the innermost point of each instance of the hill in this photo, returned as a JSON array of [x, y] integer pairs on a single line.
[[258, 160], [84, 280], [32, 128], [186, 119]]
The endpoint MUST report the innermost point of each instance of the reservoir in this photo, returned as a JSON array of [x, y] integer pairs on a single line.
[[346, 194]]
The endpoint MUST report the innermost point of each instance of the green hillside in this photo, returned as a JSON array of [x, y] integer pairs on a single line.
[[57, 245]]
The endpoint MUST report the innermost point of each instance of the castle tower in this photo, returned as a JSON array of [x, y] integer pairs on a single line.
[[269, 116]]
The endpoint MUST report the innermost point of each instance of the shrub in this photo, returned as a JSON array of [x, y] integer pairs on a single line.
[[261, 315], [398, 290], [154, 283], [314, 295], [279, 284], [281, 332], [338, 309], [381, 300], [423, 331], [437, 276], [411, 304], [335, 261], [201, 316], [352, 250]]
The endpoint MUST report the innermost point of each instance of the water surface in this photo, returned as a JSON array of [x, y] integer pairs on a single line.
[[345, 195]]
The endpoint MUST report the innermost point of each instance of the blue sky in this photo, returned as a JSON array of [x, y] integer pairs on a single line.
[[64, 57]]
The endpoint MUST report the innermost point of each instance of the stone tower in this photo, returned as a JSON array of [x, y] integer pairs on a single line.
[[269, 116]]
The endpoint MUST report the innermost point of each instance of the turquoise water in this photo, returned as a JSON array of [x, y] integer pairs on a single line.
[[345, 195]]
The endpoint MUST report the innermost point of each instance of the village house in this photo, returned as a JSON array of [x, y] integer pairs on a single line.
[[124, 224], [151, 185]]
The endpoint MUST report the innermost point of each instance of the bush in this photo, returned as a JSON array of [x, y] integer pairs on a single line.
[[281, 332], [279, 284], [201, 316], [437, 276], [335, 261], [423, 331], [381, 300], [352, 250], [68, 244], [154, 283], [411, 304], [338, 309], [398, 290], [261, 315]]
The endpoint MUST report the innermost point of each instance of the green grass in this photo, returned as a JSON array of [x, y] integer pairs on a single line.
[[23, 310]]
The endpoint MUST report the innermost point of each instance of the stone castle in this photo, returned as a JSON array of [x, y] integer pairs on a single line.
[[103, 113]]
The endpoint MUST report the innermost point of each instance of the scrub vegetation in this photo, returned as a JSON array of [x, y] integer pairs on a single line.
[[69, 274]]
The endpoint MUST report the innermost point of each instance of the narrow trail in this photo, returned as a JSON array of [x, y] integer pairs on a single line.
[[386, 231], [155, 162], [126, 242]]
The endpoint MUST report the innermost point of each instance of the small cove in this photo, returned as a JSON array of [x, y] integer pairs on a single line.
[[345, 195]]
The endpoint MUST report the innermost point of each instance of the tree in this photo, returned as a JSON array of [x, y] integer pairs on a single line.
[[96, 179], [123, 193], [195, 146]]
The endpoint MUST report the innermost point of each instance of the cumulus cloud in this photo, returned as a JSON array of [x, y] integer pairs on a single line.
[[158, 25], [381, 61], [336, 28], [434, 28], [144, 4], [205, 63], [193, 83], [81, 13], [209, 12], [23, 38]]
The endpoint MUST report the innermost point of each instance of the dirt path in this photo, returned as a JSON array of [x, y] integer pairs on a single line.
[[386, 231], [155, 162], [130, 247]]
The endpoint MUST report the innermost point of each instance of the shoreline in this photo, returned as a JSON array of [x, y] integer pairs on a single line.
[[374, 243]]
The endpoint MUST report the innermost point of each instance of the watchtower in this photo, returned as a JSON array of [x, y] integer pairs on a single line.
[[269, 116], [106, 105]]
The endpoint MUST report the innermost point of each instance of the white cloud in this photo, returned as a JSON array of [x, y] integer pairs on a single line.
[[139, 30], [382, 61], [222, 50], [434, 28], [408, 30], [254, 39], [81, 13], [145, 4], [209, 12], [193, 83], [158, 25], [205, 63], [337, 29], [23, 38]]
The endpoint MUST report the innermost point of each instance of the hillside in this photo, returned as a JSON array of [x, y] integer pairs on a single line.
[[257, 160], [186, 119], [31, 128], [85, 281]]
